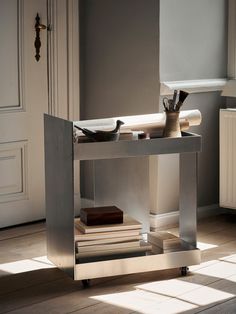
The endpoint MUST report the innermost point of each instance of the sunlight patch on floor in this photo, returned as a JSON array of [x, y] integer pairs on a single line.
[[206, 295], [229, 258], [171, 288], [169, 296], [205, 246], [21, 266], [144, 302], [220, 270]]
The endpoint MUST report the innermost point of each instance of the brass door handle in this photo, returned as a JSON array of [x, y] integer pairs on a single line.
[[37, 43]]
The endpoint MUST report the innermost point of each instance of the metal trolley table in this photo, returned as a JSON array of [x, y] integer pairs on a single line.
[[60, 153]]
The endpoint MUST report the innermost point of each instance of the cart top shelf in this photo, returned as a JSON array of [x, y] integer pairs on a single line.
[[189, 142], [61, 131]]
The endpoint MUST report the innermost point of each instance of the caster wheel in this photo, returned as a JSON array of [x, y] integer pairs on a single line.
[[86, 283], [184, 270]]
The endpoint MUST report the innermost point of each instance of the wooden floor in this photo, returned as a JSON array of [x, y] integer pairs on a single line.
[[29, 283]]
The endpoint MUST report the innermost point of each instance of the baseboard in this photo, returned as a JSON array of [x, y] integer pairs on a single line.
[[159, 221]]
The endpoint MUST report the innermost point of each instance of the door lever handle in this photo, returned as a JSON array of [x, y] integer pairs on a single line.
[[37, 43]]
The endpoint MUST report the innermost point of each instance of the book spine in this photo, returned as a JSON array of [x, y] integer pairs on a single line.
[[108, 241], [154, 240], [107, 229], [108, 246], [106, 235], [144, 248]]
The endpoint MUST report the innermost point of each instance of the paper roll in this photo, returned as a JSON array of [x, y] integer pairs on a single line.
[[147, 122]]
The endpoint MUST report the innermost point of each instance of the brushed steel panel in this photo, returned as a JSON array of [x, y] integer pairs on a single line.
[[188, 198], [137, 264], [125, 184], [135, 148], [59, 192]]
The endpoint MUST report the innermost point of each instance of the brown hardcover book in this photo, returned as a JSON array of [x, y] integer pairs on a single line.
[[101, 215]]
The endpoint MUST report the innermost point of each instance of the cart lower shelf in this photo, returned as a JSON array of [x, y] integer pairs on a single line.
[[139, 264]]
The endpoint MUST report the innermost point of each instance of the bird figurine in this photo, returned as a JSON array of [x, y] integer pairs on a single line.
[[101, 136]]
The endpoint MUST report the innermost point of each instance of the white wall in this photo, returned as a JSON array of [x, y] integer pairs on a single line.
[[193, 45]]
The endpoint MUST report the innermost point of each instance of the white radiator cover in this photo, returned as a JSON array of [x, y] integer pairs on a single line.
[[228, 158]]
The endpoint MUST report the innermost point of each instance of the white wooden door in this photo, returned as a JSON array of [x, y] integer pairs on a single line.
[[23, 100]]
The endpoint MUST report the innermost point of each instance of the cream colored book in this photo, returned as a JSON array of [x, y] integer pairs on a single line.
[[105, 247], [156, 249], [143, 248], [129, 223], [80, 236], [163, 239], [108, 240]]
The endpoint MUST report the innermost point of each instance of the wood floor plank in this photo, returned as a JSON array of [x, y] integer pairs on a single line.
[[18, 231], [80, 300], [28, 246], [228, 307], [211, 286], [103, 308], [14, 282], [36, 294], [216, 224], [221, 251]]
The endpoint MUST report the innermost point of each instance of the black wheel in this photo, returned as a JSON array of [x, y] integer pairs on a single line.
[[86, 283], [184, 270]]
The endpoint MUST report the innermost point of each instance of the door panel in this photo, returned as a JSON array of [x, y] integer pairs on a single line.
[[9, 52], [23, 100], [13, 171]]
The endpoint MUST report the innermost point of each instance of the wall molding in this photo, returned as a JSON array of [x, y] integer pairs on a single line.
[[193, 86], [63, 63], [63, 18], [73, 59], [57, 58], [160, 221]]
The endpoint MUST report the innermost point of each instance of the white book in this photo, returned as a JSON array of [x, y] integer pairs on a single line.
[[80, 236], [108, 240], [129, 223], [105, 247], [143, 248]]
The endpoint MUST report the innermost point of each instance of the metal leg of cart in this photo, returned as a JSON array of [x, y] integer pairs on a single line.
[[188, 201]]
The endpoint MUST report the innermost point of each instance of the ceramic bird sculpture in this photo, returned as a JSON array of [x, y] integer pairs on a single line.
[[100, 136]]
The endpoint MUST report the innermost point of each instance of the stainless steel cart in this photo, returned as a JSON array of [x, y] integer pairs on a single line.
[[60, 153]]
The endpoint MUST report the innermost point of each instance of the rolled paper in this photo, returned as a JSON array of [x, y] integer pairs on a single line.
[[147, 122]]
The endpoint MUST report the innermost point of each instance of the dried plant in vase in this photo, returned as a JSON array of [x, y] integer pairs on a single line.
[[172, 109]]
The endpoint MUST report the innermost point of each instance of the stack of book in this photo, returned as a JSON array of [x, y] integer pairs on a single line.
[[108, 240], [163, 242]]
